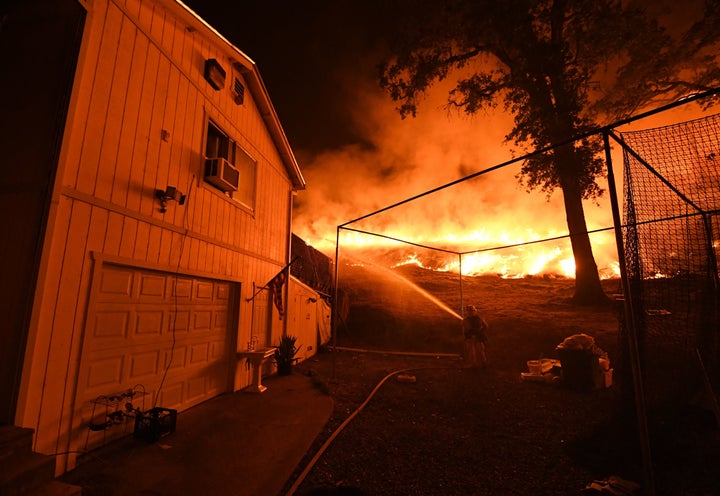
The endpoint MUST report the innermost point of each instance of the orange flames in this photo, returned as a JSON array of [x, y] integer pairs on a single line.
[[552, 263], [404, 158], [551, 258]]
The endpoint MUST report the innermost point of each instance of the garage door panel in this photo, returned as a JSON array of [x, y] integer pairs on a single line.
[[199, 354], [220, 320], [151, 286], [149, 323], [144, 364], [222, 292], [216, 381], [105, 374], [111, 324], [172, 395], [115, 283], [218, 349], [201, 320], [196, 388], [181, 289], [179, 321], [178, 357], [138, 320], [203, 291]]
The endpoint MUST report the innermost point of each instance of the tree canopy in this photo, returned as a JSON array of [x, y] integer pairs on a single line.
[[562, 68]]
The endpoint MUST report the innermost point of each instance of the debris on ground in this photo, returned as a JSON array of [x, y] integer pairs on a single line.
[[613, 485], [542, 370], [405, 378]]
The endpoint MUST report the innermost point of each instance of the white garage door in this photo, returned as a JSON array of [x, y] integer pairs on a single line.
[[141, 321]]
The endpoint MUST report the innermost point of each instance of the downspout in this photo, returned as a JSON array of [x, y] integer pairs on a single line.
[[333, 309], [288, 255]]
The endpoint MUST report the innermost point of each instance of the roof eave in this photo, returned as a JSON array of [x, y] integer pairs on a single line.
[[269, 115]]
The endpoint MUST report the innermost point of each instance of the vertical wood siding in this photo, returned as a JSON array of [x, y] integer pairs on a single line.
[[141, 72]]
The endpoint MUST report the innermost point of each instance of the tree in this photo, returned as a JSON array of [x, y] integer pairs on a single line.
[[562, 67]]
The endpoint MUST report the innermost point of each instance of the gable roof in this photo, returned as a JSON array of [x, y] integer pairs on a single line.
[[247, 67]]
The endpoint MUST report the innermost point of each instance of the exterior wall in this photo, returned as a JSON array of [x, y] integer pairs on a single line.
[[302, 317], [137, 122]]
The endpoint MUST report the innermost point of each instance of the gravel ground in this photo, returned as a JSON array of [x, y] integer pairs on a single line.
[[458, 431], [455, 431]]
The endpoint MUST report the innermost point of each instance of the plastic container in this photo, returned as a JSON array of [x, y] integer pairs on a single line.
[[547, 364], [154, 424], [535, 367], [580, 369], [607, 378]]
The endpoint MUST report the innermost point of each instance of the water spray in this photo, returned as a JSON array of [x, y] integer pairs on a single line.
[[414, 287]]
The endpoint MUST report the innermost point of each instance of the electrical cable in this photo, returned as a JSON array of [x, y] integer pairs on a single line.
[[342, 426], [175, 295]]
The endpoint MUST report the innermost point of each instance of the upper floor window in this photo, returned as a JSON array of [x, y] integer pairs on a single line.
[[228, 167]]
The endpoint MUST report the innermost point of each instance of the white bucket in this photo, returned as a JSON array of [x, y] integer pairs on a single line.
[[535, 367]]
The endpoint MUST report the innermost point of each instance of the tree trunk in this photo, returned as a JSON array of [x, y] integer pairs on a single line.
[[588, 290]]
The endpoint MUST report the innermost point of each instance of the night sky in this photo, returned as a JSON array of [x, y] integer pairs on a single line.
[[310, 54]]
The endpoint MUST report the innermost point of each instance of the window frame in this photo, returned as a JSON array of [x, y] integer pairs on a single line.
[[228, 148]]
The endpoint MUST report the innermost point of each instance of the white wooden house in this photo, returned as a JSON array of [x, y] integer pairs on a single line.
[[168, 203]]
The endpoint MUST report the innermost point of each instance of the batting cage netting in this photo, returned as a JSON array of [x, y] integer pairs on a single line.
[[671, 234]]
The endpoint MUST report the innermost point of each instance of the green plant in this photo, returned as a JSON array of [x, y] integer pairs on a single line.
[[285, 354]]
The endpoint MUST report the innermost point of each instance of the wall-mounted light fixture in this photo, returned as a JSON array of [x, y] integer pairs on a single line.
[[214, 74], [170, 193]]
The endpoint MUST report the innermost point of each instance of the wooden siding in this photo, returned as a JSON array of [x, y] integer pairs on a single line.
[[141, 73]]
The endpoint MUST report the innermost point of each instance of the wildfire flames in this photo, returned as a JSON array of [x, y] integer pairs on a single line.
[[553, 259], [497, 225]]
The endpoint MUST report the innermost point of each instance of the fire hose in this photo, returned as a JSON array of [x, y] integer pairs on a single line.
[[342, 426]]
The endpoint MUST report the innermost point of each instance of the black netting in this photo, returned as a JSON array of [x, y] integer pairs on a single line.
[[672, 200]]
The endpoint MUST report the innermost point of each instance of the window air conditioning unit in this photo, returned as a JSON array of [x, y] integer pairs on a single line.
[[222, 174]]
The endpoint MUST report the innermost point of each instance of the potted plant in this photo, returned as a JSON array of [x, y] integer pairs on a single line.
[[285, 354]]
